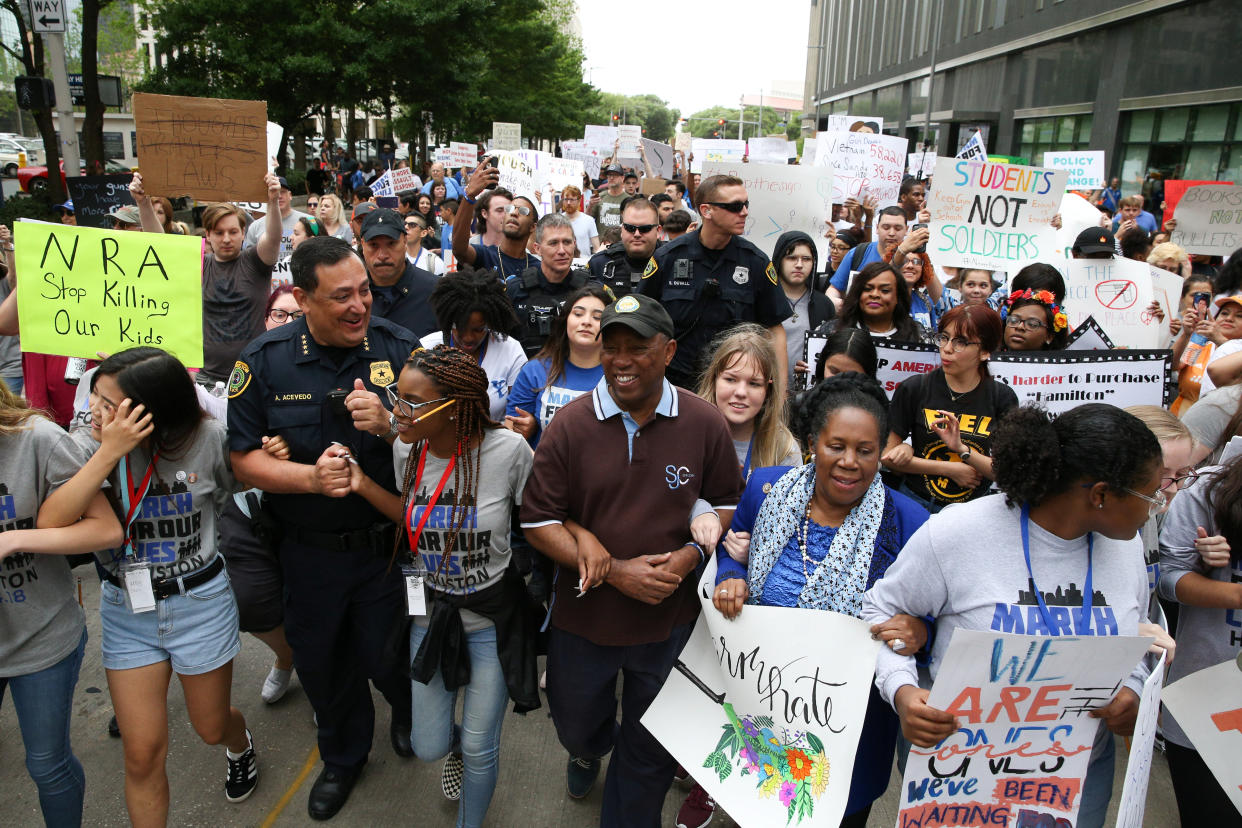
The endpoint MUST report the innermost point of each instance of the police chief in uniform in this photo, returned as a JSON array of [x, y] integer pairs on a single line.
[[711, 279], [620, 266], [317, 382], [538, 292]]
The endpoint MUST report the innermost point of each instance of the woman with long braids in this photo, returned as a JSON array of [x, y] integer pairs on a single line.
[[461, 485]]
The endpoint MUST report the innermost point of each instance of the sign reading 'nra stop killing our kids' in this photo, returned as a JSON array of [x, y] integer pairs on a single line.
[[89, 291]]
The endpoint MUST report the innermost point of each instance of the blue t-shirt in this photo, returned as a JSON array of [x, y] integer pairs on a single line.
[[841, 279], [451, 188], [1145, 220], [489, 257], [530, 395], [446, 240]]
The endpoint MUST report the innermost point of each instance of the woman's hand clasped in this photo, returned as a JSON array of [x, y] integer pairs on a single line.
[[729, 597]]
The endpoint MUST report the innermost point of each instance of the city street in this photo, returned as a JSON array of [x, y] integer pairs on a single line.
[[392, 791]]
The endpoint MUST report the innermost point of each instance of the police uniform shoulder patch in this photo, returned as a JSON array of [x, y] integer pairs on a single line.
[[770, 272], [239, 379], [627, 304], [650, 269], [381, 373]]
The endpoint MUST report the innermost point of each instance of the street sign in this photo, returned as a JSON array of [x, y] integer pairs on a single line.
[[47, 16], [109, 90]]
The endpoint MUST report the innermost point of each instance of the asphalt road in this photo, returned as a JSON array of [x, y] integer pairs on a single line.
[[392, 791]]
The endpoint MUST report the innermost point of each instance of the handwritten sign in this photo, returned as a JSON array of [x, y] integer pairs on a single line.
[[1138, 767], [852, 123], [1175, 188], [404, 181], [768, 150], [563, 172], [462, 154], [95, 196], [768, 726], [782, 198], [506, 136], [601, 138], [90, 290], [631, 137], [1025, 735], [443, 156], [382, 186], [1085, 168], [992, 215], [921, 164], [1209, 220], [213, 149], [1208, 707], [1117, 292], [863, 164], [716, 149], [517, 175], [682, 142], [660, 157]]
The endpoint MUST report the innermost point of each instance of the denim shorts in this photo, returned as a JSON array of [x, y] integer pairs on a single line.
[[196, 631]]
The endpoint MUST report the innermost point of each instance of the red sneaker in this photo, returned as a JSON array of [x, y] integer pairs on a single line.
[[698, 809]]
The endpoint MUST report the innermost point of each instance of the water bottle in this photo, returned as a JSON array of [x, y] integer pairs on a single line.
[[74, 369], [217, 390]]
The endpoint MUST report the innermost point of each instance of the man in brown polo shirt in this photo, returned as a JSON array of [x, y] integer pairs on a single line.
[[609, 498]]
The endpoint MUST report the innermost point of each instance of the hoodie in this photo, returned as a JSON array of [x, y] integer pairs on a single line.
[[809, 313]]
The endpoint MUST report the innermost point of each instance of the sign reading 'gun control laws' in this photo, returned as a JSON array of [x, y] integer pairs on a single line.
[[86, 291], [992, 215], [210, 148]]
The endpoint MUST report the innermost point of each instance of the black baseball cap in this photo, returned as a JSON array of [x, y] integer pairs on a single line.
[[382, 222], [1095, 240], [614, 168], [284, 183], [641, 314]]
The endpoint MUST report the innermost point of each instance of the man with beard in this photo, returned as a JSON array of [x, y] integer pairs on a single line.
[[509, 257]]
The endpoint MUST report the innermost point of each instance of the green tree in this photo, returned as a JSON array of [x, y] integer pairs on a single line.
[[706, 121], [649, 111]]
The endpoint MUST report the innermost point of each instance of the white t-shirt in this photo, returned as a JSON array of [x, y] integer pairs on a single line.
[[428, 261], [584, 230], [502, 362], [1223, 350]]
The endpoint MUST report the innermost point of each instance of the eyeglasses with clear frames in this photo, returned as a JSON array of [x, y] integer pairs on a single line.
[[520, 209], [405, 408], [1159, 501]]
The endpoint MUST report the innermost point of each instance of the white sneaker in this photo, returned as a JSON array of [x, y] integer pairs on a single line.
[[275, 685]]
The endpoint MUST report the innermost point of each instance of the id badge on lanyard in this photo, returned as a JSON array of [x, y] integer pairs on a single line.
[[415, 574], [135, 574], [415, 596]]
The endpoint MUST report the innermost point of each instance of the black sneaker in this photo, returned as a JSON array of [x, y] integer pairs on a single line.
[[243, 774], [580, 776]]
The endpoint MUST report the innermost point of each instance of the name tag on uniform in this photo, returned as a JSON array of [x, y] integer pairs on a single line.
[[137, 579], [415, 596]]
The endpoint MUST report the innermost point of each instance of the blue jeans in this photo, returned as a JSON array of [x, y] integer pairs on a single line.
[[1097, 787], [478, 738], [15, 384], [43, 701]]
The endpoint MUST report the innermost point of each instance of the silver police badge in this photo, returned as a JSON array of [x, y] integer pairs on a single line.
[[741, 274]]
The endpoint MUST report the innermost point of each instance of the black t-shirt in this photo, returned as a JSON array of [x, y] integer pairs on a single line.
[[914, 407]]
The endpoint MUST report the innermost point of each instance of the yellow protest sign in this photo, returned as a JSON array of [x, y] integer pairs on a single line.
[[82, 290]]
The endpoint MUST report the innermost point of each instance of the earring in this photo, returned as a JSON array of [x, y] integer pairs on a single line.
[[1099, 506]]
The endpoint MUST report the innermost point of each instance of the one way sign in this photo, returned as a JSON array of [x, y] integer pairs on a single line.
[[47, 16]]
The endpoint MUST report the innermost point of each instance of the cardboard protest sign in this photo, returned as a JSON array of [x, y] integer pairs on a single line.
[[863, 164], [1138, 767], [1117, 292], [1209, 220], [213, 149], [1084, 168], [652, 186], [921, 164], [853, 123], [1208, 707], [443, 156], [462, 154], [108, 290], [767, 150], [1023, 702], [601, 138], [768, 726], [992, 215], [506, 136], [808, 152], [660, 157], [95, 196], [782, 198], [1175, 188]]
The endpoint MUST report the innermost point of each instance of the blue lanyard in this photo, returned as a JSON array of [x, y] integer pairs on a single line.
[[746, 466], [1082, 622]]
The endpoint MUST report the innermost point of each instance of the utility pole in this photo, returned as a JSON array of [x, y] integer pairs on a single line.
[[931, 80], [741, 115], [47, 18]]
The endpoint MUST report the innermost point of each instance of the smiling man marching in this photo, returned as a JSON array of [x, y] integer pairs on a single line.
[[624, 464]]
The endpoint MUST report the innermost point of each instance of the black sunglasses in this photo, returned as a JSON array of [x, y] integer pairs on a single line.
[[638, 228], [731, 206]]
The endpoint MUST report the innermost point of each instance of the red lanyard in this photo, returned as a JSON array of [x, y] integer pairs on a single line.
[[431, 504], [135, 495]]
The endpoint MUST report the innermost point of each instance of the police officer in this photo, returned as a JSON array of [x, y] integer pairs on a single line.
[[620, 266], [316, 382], [711, 279], [400, 292], [538, 292]]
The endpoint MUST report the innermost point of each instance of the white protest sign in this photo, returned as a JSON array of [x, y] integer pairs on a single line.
[[274, 134], [660, 157], [1088, 336], [1024, 740], [1208, 707], [1117, 293], [462, 154], [506, 136], [589, 159], [921, 164], [1085, 168], [716, 149], [516, 174], [404, 181], [563, 172], [1138, 767], [1209, 220], [631, 137], [782, 198], [853, 123], [974, 150], [1077, 214], [991, 214], [682, 142], [601, 138], [768, 726], [443, 156], [808, 152], [863, 164], [768, 150], [382, 186]]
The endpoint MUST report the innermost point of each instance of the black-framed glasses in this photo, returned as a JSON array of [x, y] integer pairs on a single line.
[[731, 206], [404, 407], [1021, 322], [638, 229], [955, 343], [1183, 480], [282, 316], [520, 209]]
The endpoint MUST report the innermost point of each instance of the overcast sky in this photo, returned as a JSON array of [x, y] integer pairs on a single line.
[[628, 49]]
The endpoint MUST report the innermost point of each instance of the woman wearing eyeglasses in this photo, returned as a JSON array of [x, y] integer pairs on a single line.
[[1034, 322], [1077, 489], [948, 459]]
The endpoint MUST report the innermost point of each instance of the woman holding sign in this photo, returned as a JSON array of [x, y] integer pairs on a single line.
[[1074, 486], [821, 534]]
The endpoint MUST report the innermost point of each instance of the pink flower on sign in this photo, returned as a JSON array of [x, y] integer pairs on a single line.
[[787, 793]]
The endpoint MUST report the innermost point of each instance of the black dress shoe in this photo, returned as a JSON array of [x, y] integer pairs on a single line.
[[400, 733], [330, 792]]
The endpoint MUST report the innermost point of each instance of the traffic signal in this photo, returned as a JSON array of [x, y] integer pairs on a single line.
[[34, 92], [720, 121], [616, 118], [715, 133]]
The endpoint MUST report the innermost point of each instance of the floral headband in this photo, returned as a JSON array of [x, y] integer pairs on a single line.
[[1044, 297]]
